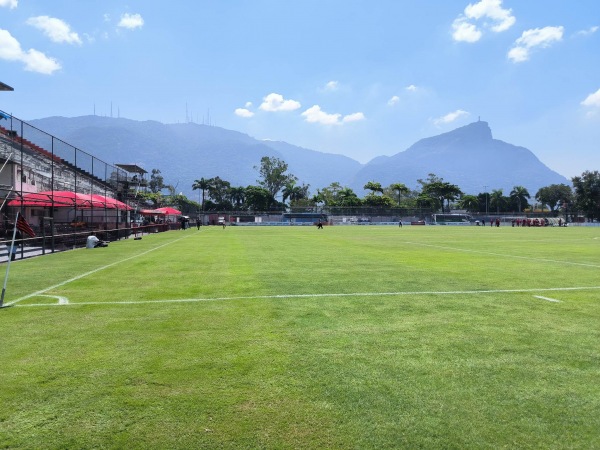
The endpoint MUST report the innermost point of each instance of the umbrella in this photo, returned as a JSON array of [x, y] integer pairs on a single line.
[[169, 211]]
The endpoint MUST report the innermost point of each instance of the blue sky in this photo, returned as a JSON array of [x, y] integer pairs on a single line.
[[360, 78]]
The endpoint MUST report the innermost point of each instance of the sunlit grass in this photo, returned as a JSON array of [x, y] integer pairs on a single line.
[[292, 337]]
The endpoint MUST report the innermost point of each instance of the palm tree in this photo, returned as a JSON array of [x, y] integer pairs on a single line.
[[347, 197], [301, 192], [440, 190], [202, 184], [449, 192], [469, 202], [496, 199], [520, 194], [237, 196], [288, 190], [400, 188], [318, 197], [294, 192], [373, 187]]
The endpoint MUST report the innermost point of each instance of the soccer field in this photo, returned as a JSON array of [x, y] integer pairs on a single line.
[[293, 337]]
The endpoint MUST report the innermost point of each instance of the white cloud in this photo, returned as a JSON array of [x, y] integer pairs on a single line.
[[465, 31], [393, 101], [530, 39], [10, 49], [243, 112], [592, 100], [12, 4], [248, 105], [34, 60], [540, 37], [492, 9], [450, 117], [275, 102], [332, 86], [495, 18], [354, 117], [131, 21], [518, 54], [315, 115], [89, 38], [56, 29], [588, 32]]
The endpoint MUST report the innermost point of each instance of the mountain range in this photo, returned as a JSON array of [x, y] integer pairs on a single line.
[[468, 156]]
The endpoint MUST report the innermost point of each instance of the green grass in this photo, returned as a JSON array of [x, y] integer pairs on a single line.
[[289, 337]]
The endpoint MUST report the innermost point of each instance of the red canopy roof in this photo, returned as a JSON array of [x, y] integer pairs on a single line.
[[110, 203], [151, 212], [48, 199], [67, 199], [169, 211]]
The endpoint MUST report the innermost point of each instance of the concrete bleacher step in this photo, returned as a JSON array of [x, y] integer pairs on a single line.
[[14, 137], [27, 143]]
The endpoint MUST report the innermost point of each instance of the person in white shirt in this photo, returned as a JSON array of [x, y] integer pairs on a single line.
[[93, 242]]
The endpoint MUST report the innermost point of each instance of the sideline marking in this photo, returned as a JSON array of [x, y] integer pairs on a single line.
[[91, 272], [61, 300], [548, 299], [529, 258], [351, 294]]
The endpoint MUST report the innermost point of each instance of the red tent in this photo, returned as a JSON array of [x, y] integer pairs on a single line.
[[151, 212], [48, 199], [168, 211], [68, 199], [108, 202]]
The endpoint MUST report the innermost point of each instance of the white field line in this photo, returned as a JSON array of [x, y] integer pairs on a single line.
[[91, 272], [61, 300], [548, 299], [529, 258], [350, 294]]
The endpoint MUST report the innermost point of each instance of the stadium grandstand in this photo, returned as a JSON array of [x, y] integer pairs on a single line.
[[61, 191]]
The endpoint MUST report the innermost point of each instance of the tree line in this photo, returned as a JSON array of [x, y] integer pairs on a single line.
[[276, 189]]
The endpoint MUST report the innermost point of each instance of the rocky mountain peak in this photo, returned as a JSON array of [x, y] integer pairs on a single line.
[[476, 131], [467, 156]]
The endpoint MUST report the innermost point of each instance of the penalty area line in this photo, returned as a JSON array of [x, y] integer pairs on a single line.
[[349, 294], [91, 272]]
